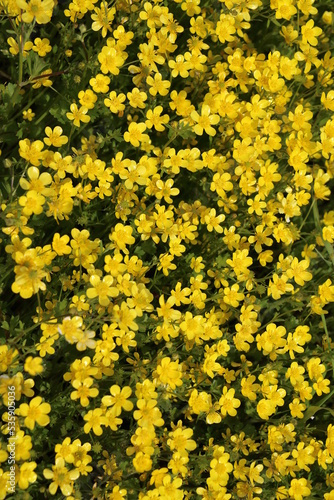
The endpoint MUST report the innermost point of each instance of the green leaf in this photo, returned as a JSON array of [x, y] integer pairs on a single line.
[[5, 325], [273, 20], [10, 89], [117, 135]]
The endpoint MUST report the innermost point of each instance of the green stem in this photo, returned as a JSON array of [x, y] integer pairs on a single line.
[[328, 246], [323, 319], [21, 44], [308, 213], [39, 307]]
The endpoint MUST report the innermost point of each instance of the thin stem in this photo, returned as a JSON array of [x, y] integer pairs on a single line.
[[323, 319], [39, 307], [308, 213], [21, 45], [328, 246]]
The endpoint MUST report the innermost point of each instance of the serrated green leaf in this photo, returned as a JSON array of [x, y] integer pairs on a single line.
[[10, 89]]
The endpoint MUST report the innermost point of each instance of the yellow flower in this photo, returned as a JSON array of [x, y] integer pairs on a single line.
[[115, 102], [147, 414], [137, 98], [55, 137], [285, 9], [7, 358], [279, 286], [180, 440], [327, 17], [95, 419], [35, 412], [299, 489], [158, 85], [204, 121], [297, 408], [43, 79], [23, 446], [37, 182], [122, 236], [61, 477], [298, 271], [321, 386], [87, 98], [232, 296], [154, 119], [135, 135], [271, 340], [289, 33], [103, 18], [169, 373], [310, 33], [29, 274], [84, 391], [179, 66], [249, 388], [240, 263], [42, 47], [225, 28], [27, 475], [78, 115], [28, 114], [304, 456], [199, 401], [228, 403], [31, 151], [33, 366], [32, 203], [59, 244], [14, 46], [102, 289], [117, 493], [110, 60], [41, 10], [118, 399], [100, 84], [142, 462], [265, 408]]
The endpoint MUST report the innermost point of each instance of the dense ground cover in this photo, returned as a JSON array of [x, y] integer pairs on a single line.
[[166, 264]]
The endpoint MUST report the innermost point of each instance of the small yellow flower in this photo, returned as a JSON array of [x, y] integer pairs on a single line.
[[310, 33], [42, 47], [204, 121], [158, 85], [35, 412], [87, 98], [61, 477], [154, 119], [28, 114], [135, 135], [228, 403], [55, 137], [42, 79], [78, 115], [33, 366], [27, 475], [102, 289], [32, 203], [115, 102], [94, 420], [119, 399], [14, 47], [100, 84], [40, 10], [299, 489]]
